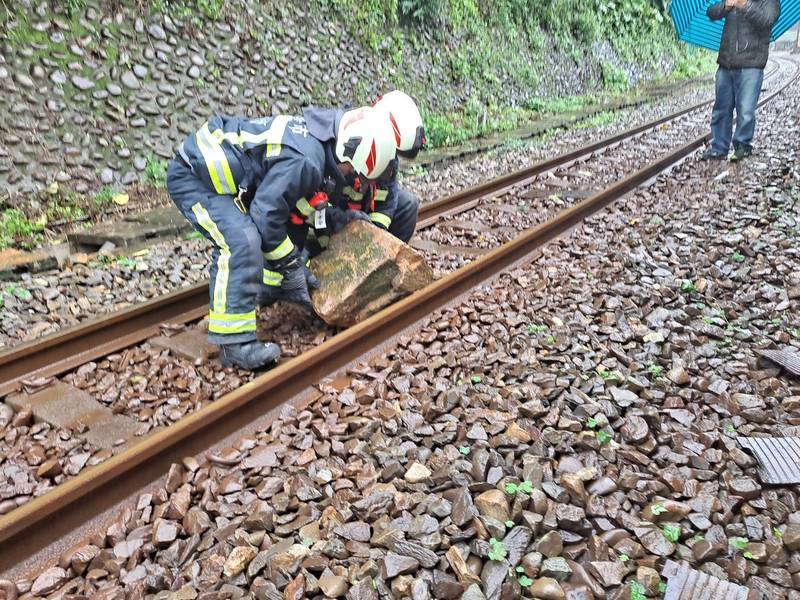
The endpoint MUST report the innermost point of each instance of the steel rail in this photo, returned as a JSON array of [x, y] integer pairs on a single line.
[[31, 532], [66, 350]]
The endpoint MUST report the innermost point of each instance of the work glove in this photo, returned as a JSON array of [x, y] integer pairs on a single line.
[[297, 279], [336, 218]]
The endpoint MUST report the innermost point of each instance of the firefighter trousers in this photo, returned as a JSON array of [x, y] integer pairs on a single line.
[[236, 262]]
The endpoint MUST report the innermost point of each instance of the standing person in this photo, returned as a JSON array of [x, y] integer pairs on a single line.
[[237, 181], [743, 54]]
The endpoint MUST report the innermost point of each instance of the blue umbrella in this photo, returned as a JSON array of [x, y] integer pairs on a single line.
[[694, 27]]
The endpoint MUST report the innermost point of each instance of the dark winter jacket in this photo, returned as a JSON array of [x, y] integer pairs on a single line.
[[379, 201], [746, 33], [274, 162]]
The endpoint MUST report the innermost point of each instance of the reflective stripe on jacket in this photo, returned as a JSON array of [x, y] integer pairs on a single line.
[[273, 161]]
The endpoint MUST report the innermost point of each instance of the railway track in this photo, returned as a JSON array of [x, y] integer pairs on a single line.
[[37, 531], [66, 350]]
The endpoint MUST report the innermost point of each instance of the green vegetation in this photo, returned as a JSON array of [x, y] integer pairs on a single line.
[[603, 437], [498, 550], [739, 543], [658, 509], [671, 532], [156, 172], [638, 591], [18, 229], [479, 34], [525, 486]]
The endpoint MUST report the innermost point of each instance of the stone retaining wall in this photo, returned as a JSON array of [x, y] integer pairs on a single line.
[[100, 97]]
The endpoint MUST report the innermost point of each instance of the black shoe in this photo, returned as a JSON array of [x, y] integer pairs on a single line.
[[711, 154], [741, 152], [249, 355]]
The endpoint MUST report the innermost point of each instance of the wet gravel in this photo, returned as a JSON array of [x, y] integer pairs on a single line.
[[562, 431], [35, 457], [40, 304], [158, 389]]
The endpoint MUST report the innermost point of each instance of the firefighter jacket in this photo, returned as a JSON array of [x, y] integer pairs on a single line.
[[377, 199], [268, 165]]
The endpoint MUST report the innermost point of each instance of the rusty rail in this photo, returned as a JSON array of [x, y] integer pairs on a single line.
[[38, 530], [65, 350]]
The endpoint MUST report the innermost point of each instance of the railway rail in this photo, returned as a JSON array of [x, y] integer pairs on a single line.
[[37, 531], [62, 351]]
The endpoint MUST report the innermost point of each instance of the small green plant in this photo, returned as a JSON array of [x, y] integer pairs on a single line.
[[464, 450], [497, 551], [699, 537], [513, 488], [739, 543], [748, 555], [20, 292], [604, 437], [509, 524], [638, 591], [591, 423], [655, 370], [194, 235], [738, 257], [73, 7], [777, 532], [730, 428], [688, 287], [658, 509], [525, 581], [551, 339], [662, 588], [155, 172], [476, 379], [623, 558], [104, 196], [126, 262], [537, 328], [671, 532]]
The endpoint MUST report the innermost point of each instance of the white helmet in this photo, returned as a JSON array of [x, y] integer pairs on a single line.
[[365, 140], [406, 121]]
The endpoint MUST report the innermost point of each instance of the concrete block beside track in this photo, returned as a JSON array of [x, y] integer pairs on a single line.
[[63, 405]]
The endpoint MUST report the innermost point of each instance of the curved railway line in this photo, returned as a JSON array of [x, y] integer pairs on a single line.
[[36, 532]]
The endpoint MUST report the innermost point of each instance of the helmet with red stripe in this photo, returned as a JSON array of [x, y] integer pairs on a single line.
[[365, 140], [405, 120]]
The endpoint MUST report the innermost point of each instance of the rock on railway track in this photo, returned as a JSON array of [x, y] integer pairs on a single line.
[[34, 527]]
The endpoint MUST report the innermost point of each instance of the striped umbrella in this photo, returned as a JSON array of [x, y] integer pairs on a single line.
[[694, 27]]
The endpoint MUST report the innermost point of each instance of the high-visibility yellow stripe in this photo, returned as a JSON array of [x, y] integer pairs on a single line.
[[350, 192], [380, 195], [273, 136], [284, 249], [381, 219], [216, 161], [272, 278], [304, 207], [231, 323], [232, 317], [223, 261]]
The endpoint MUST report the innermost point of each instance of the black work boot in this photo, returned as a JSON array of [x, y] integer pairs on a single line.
[[249, 355], [711, 154], [740, 152]]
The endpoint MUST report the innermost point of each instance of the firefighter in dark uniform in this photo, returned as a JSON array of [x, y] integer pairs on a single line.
[[382, 200], [237, 181]]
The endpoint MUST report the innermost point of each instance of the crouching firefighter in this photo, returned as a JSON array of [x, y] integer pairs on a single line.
[[379, 199], [237, 181]]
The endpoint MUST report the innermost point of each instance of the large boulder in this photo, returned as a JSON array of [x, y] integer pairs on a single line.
[[363, 270]]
